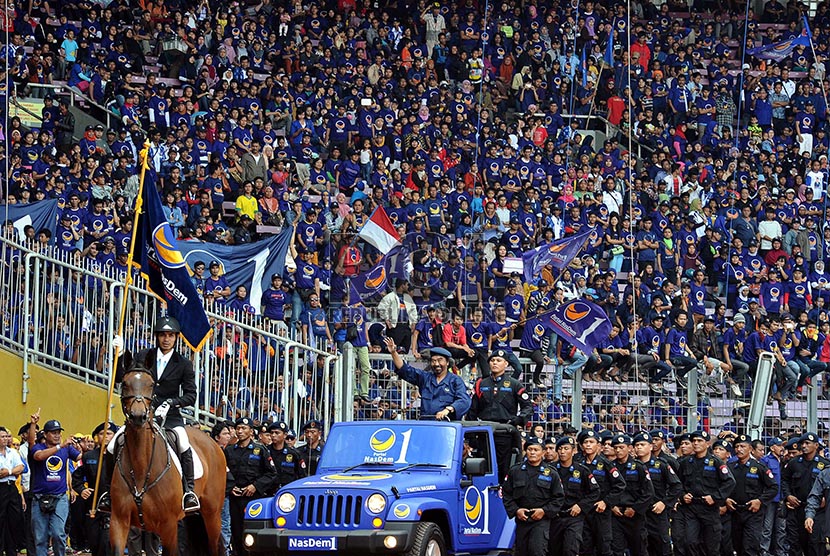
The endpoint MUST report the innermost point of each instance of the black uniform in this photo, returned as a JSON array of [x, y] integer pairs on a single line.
[[532, 487], [753, 480], [597, 533], [311, 457], [581, 489], [638, 495], [503, 400], [177, 383], [797, 480], [97, 529], [706, 476], [250, 465], [667, 488], [289, 464]]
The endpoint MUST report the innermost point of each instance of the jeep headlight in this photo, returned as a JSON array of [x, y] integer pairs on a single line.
[[286, 502], [376, 503]]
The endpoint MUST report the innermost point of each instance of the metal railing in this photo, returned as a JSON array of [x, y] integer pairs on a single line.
[[61, 311]]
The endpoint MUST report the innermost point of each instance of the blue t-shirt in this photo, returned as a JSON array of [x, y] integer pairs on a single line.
[[50, 475]]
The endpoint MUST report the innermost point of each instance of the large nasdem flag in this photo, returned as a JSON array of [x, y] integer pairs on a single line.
[[163, 266], [582, 324], [782, 50], [558, 254]]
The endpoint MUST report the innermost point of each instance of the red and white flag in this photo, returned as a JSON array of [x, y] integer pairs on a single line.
[[379, 231]]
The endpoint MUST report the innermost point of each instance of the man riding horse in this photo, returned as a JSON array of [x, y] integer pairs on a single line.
[[175, 389]]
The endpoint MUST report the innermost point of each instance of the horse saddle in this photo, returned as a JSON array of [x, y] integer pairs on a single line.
[[172, 444]]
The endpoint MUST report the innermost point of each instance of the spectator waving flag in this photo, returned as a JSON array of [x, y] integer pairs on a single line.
[[164, 267], [379, 231], [581, 323], [558, 254], [782, 50]]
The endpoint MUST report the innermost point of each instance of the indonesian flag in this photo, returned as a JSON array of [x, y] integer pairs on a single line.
[[379, 231]]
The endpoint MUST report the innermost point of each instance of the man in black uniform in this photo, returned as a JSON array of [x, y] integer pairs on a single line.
[[533, 495], [707, 483], [288, 461], [175, 389], [83, 483], [597, 532], [629, 524], [797, 480], [683, 448], [581, 492], [502, 399], [755, 487], [254, 475], [311, 451], [667, 490]]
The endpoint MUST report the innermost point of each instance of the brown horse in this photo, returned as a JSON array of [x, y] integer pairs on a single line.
[[146, 488]]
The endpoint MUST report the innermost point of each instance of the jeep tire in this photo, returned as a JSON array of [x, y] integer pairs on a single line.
[[428, 541]]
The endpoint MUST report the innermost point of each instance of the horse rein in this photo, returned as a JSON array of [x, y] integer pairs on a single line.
[[132, 484]]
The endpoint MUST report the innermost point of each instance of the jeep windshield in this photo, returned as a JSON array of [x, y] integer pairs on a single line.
[[382, 444]]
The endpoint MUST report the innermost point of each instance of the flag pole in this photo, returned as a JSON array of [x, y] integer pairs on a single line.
[[128, 282], [813, 49]]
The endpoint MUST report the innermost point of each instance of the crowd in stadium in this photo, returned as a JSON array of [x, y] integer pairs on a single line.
[[473, 125]]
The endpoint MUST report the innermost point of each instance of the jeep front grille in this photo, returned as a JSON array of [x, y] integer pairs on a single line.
[[330, 510]]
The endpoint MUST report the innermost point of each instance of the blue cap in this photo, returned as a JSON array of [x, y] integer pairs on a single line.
[[587, 433], [810, 437], [657, 433], [775, 441], [723, 444], [440, 351], [498, 353], [741, 439], [244, 421], [699, 434], [534, 441], [278, 426], [566, 440], [618, 439], [641, 437]]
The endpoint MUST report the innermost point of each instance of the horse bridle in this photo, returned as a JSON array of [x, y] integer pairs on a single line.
[[138, 494]]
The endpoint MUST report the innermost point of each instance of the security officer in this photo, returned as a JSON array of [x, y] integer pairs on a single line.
[[533, 495], [722, 449], [755, 487], [550, 456], [502, 399], [313, 447], [629, 524], [682, 447], [581, 492], [254, 473], [597, 532], [667, 490], [288, 461], [83, 483], [658, 449], [443, 394], [797, 480], [707, 483], [775, 520]]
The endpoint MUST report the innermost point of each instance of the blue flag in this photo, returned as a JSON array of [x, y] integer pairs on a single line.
[[782, 50], [582, 324], [164, 267], [40, 215], [609, 50], [249, 264], [584, 64], [374, 283], [558, 254]]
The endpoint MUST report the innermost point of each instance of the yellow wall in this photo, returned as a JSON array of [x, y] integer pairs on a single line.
[[79, 407]]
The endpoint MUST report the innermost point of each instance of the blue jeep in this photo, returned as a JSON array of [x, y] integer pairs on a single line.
[[418, 488]]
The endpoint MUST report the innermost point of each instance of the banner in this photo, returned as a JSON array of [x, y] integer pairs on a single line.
[[40, 215], [558, 254], [782, 50], [581, 323], [250, 264], [163, 265], [376, 282]]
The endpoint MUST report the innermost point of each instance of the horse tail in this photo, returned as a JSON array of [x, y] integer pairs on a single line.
[[195, 538]]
